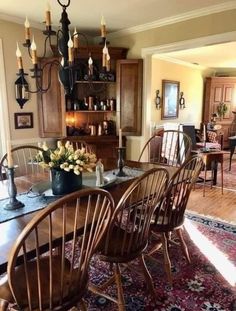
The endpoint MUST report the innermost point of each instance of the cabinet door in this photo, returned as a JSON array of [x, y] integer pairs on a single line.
[[129, 95], [50, 104], [222, 92]]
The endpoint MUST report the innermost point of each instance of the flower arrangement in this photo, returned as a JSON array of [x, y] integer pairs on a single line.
[[221, 109], [64, 157]]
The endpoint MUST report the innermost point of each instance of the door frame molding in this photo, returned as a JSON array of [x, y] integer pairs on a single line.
[[158, 51]]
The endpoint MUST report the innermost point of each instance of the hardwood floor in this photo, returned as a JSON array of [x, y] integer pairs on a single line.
[[214, 204]]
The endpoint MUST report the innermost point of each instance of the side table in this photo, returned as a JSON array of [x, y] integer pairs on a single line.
[[232, 145], [211, 159]]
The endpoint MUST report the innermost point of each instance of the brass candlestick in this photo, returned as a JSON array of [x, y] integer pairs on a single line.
[[12, 191], [121, 162]]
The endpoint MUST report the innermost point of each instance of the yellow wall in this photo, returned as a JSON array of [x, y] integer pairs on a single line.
[[191, 83]]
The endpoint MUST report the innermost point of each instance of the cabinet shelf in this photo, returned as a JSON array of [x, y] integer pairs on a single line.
[[94, 82]]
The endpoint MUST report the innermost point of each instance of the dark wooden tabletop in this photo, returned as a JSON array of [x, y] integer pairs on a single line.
[[10, 230]]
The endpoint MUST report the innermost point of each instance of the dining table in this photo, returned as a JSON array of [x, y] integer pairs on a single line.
[[12, 227]]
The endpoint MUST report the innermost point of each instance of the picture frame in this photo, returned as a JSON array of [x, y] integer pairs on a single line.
[[170, 99], [23, 120]]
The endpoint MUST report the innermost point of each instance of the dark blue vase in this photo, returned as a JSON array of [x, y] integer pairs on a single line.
[[65, 182]]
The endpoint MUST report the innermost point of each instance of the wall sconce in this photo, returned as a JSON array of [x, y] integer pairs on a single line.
[[158, 100], [182, 101], [21, 91]]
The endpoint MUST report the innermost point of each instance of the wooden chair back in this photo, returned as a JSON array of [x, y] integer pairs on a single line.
[[167, 147], [25, 161], [170, 214], [54, 272], [128, 232]]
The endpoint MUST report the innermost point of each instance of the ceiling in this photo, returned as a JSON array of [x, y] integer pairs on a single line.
[[215, 56], [122, 14]]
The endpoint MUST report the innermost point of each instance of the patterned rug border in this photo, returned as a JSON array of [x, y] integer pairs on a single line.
[[211, 222]]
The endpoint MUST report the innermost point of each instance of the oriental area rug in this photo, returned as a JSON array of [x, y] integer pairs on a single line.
[[207, 284]]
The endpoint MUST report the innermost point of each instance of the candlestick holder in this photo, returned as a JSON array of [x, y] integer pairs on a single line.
[[12, 191], [121, 162]]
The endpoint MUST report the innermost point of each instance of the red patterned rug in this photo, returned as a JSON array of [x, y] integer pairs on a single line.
[[208, 283]]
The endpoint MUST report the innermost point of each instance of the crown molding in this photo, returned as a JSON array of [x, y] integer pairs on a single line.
[[179, 62], [19, 20], [230, 5]]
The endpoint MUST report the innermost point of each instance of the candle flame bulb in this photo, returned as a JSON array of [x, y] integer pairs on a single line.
[[76, 39], [103, 27], [27, 24], [33, 45], [90, 65], [70, 49], [18, 52], [18, 55], [27, 29], [34, 52]]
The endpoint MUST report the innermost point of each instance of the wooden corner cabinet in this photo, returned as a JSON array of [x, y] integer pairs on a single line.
[[96, 109], [220, 90]]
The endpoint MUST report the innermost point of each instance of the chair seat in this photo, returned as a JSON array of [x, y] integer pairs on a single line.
[[5, 292], [208, 145], [122, 240]]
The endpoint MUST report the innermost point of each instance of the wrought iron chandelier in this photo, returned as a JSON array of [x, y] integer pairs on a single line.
[[69, 65]]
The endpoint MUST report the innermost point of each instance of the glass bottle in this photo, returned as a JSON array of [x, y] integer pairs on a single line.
[[99, 173]]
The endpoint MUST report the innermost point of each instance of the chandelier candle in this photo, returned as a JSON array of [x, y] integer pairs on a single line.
[[120, 138], [103, 28], [27, 30], [48, 16], [9, 156], [19, 57]]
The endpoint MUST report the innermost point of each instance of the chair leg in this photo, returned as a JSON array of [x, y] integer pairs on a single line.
[[167, 263], [147, 276], [222, 177], [121, 299], [204, 181], [183, 244], [3, 305]]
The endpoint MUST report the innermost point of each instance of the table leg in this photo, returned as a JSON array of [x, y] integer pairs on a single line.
[[232, 148], [214, 170]]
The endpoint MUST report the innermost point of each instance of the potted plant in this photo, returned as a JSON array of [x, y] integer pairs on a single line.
[[221, 109], [66, 165]]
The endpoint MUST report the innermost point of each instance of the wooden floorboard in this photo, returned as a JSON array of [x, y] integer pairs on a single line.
[[214, 204]]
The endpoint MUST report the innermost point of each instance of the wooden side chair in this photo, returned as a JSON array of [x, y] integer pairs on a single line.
[[25, 161], [128, 232], [169, 216], [168, 148], [44, 271]]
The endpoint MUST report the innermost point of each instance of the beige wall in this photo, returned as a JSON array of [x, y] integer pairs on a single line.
[[10, 33], [214, 24], [194, 28]]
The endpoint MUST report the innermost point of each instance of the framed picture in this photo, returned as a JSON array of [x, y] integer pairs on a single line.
[[23, 120], [170, 99]]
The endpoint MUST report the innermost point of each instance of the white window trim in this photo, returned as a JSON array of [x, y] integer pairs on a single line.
[[4, 112]]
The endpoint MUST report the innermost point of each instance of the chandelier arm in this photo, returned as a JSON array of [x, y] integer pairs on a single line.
[[60, 32], [28, 48], [45, 45], [64, 5], [39, 87]]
